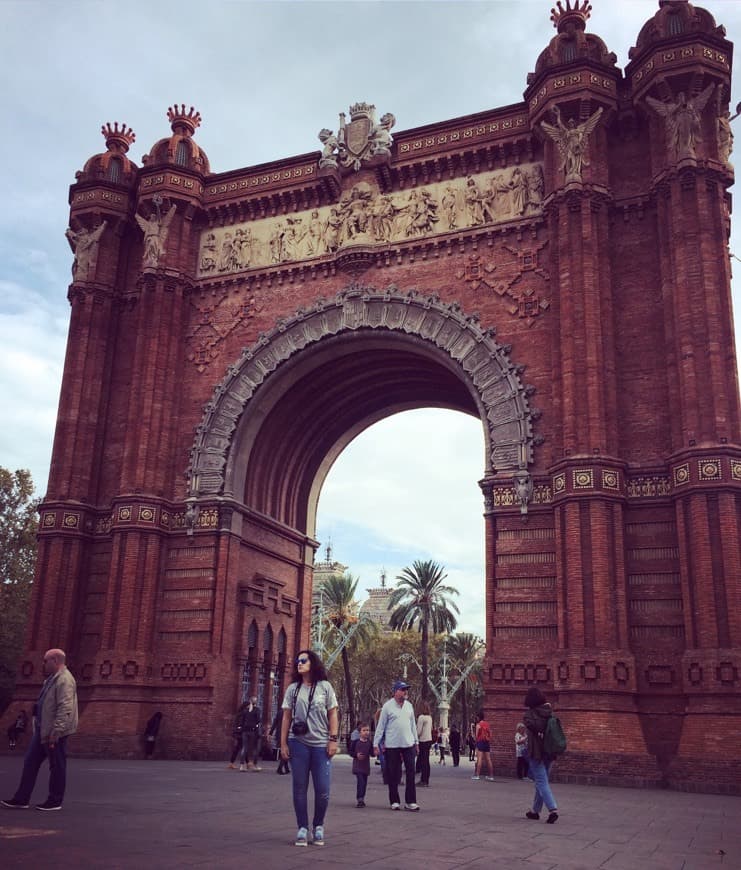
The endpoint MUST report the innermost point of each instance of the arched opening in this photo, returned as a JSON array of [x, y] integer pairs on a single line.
[[406, 489]]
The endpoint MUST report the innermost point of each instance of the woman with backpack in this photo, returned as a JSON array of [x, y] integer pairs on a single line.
[[537, 713]]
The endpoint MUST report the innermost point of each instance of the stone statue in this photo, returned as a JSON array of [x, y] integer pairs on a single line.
[[422, 215], [450, 207], [535, 188], [330, 147], [155, 235], [572, 141], [84, 244], [474, 203], [243, 247], [723, 130], [682, 119], [523, 489], [332, 230], [380, 138]]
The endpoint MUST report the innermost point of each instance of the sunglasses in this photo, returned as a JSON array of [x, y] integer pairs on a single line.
[[302, 660]]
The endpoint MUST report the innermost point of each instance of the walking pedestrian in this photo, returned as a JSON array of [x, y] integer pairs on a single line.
[[424, 736], [455, 744], [251, 724], [483, 749], [537, 713], [236, 737], [521, 750], [397, 730], [308, 736], [55, 719], [151, 731], [17, 728], [361, 750]]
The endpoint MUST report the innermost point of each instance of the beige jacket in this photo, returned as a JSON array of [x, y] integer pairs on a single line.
[[58, 712]]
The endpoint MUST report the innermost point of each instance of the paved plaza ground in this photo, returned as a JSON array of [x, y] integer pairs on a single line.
[[172, 814]]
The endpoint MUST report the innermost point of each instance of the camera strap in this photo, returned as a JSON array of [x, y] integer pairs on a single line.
[[295, 698]]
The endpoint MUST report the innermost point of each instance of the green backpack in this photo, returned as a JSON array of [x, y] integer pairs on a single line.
[[554, 740]]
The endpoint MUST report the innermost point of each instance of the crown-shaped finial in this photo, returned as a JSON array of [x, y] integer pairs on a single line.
[[117, 138], [187, 121], [361, 110], [575, 15]]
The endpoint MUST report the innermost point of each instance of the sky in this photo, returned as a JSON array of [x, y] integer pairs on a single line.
[[266, 77]]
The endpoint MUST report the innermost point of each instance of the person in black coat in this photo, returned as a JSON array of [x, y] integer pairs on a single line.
[[455, 744], [151, 731]]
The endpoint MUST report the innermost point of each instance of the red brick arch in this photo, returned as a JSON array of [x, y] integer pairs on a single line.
[[354, 359]]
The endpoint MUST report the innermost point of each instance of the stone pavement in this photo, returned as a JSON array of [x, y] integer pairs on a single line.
[[183, 814]]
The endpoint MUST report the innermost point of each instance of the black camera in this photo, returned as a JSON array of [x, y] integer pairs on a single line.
[[300, 727]]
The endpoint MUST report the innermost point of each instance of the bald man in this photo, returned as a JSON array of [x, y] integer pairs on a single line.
[[54, 719]]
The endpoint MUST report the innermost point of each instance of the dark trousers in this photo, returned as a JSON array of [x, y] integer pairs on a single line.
[[424, 761], [362, 779], [394, 760], [455, 751], [35, 755], [522, 766]]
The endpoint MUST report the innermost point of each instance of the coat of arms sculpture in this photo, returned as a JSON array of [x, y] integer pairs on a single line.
[[359, 141]]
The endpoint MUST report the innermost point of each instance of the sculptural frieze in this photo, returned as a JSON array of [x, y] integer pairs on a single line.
[[358, 141], [365, 216], [572, 141], [682, 121]]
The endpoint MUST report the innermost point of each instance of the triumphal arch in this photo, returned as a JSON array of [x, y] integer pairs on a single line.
[[557, 268]]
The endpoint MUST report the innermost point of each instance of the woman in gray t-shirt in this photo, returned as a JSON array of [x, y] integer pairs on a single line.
[[308, 736]]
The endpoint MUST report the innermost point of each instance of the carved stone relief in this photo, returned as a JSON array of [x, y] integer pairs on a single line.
[[365, 216], [496, 380], [216, 317]]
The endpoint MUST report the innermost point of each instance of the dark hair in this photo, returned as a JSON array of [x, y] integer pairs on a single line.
[[424, 709], [534, 697], [480, 716], [362, 725], [316, 667]]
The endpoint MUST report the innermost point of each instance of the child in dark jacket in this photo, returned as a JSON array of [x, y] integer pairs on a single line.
[[361, 751]]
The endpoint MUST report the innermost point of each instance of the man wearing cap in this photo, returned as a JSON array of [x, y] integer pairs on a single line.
[[397, 731]]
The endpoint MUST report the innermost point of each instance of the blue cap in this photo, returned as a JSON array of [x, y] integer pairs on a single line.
[[400, 684]]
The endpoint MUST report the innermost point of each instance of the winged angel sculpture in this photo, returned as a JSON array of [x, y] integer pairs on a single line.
[[682, 118], [155, 231], [571, 141]]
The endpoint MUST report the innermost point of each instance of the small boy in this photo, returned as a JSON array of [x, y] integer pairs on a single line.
[[521, 751], [361, 751]]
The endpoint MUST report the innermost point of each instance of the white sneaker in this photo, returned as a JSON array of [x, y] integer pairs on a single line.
[[490, 779], [413, 808], [475, 777], [318, 835], [395, 806], [242, 768], [302, 837]]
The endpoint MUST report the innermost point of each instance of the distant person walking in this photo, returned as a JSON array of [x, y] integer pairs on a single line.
[[251, 724], [455, 744], [283, 767], [17, 729], [397, 730], [443, 744], [308, 736], [54, 719], [151, 731], [537, 713], [424, 736], [483, 749], [521, 751]]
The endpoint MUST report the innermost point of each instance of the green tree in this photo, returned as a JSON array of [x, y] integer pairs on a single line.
[[18, 525], [421, 599], [464, 650], [341, 613]]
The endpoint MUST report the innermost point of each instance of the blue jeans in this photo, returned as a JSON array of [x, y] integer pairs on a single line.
[[35, 755], [543, 794], [312, 760]]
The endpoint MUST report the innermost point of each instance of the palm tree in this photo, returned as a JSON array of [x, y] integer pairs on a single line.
[[464, 649], [421, 599], [339, 600]]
